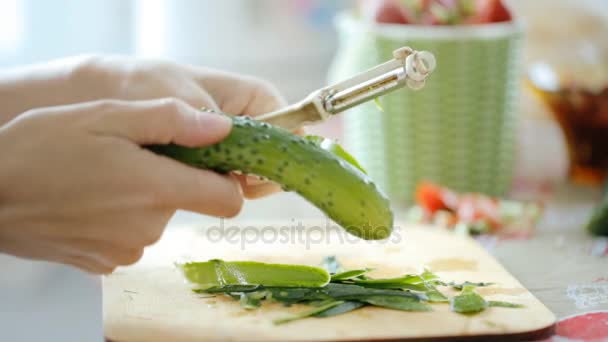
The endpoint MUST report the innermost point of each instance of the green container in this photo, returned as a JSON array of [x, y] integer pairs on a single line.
[[458, 130]]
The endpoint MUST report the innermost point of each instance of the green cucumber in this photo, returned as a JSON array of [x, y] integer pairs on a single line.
[[342, 191], [598, 223]]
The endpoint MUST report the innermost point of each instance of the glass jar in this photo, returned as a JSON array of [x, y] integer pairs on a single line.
[[568, 71]]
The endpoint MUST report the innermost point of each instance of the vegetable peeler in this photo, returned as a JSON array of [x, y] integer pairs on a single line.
[[407, 68]]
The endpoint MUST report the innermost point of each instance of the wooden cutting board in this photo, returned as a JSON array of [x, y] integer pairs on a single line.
[[151, 302]]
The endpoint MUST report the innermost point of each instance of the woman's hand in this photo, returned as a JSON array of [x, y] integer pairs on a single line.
[[91, 78], [77, 188], [200, 87]]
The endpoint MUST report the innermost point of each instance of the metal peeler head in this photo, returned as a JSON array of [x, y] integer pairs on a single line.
[[408, 68]]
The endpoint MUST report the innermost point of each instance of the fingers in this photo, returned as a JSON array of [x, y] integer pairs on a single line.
[[89, 255], [89, 265], [300, 131], [93, 264], [160, 121], [164, 121], [263, 97], [131, 79], [254, 188], [107, 253], [240, 95], [198, 99], [176, 185], [102, 261], [201, 191], [249, 96], [210, 193]]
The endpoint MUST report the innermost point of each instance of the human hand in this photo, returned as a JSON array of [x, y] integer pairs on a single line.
[[77, 188], [201, 87], [90, 78]]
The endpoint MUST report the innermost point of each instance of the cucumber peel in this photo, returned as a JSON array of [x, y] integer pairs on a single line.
[[335, 184], [331, 146], [252, 283], [214, 273]]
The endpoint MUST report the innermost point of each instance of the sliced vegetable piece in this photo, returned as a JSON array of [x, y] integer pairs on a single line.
[[468, 301], [501, 304], [335, 148], [217, 272], [308, 313], [414, 282], [343, 308], [229, 289], [346, 275], [460, 286], [289, 295], [394, 286], [379, 104], [409, 281], [435, 296], [406, 279], [427, 275], [398, 303], [340, 296], [355, 292], [252, 300]]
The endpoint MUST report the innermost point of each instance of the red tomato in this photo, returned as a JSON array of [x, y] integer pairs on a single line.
[[489, 11], [430, 197], [390, 12], [429, 12], [500, 13], [405, 12]]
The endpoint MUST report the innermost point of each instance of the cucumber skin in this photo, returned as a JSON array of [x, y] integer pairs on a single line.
[[340, 190], [213, 272]]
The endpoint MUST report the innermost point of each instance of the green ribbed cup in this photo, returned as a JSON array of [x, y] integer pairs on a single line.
[[458, 130]]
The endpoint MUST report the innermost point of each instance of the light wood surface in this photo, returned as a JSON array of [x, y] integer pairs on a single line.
[[151, 302]]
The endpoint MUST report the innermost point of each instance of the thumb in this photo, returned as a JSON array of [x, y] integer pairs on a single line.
[[160, 121]]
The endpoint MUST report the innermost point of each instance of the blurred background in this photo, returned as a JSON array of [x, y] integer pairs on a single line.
[[295, 43], [288, 42], [292, 44]]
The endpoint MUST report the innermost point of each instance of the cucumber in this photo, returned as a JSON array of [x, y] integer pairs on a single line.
[[339, 189], [598, 223]]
